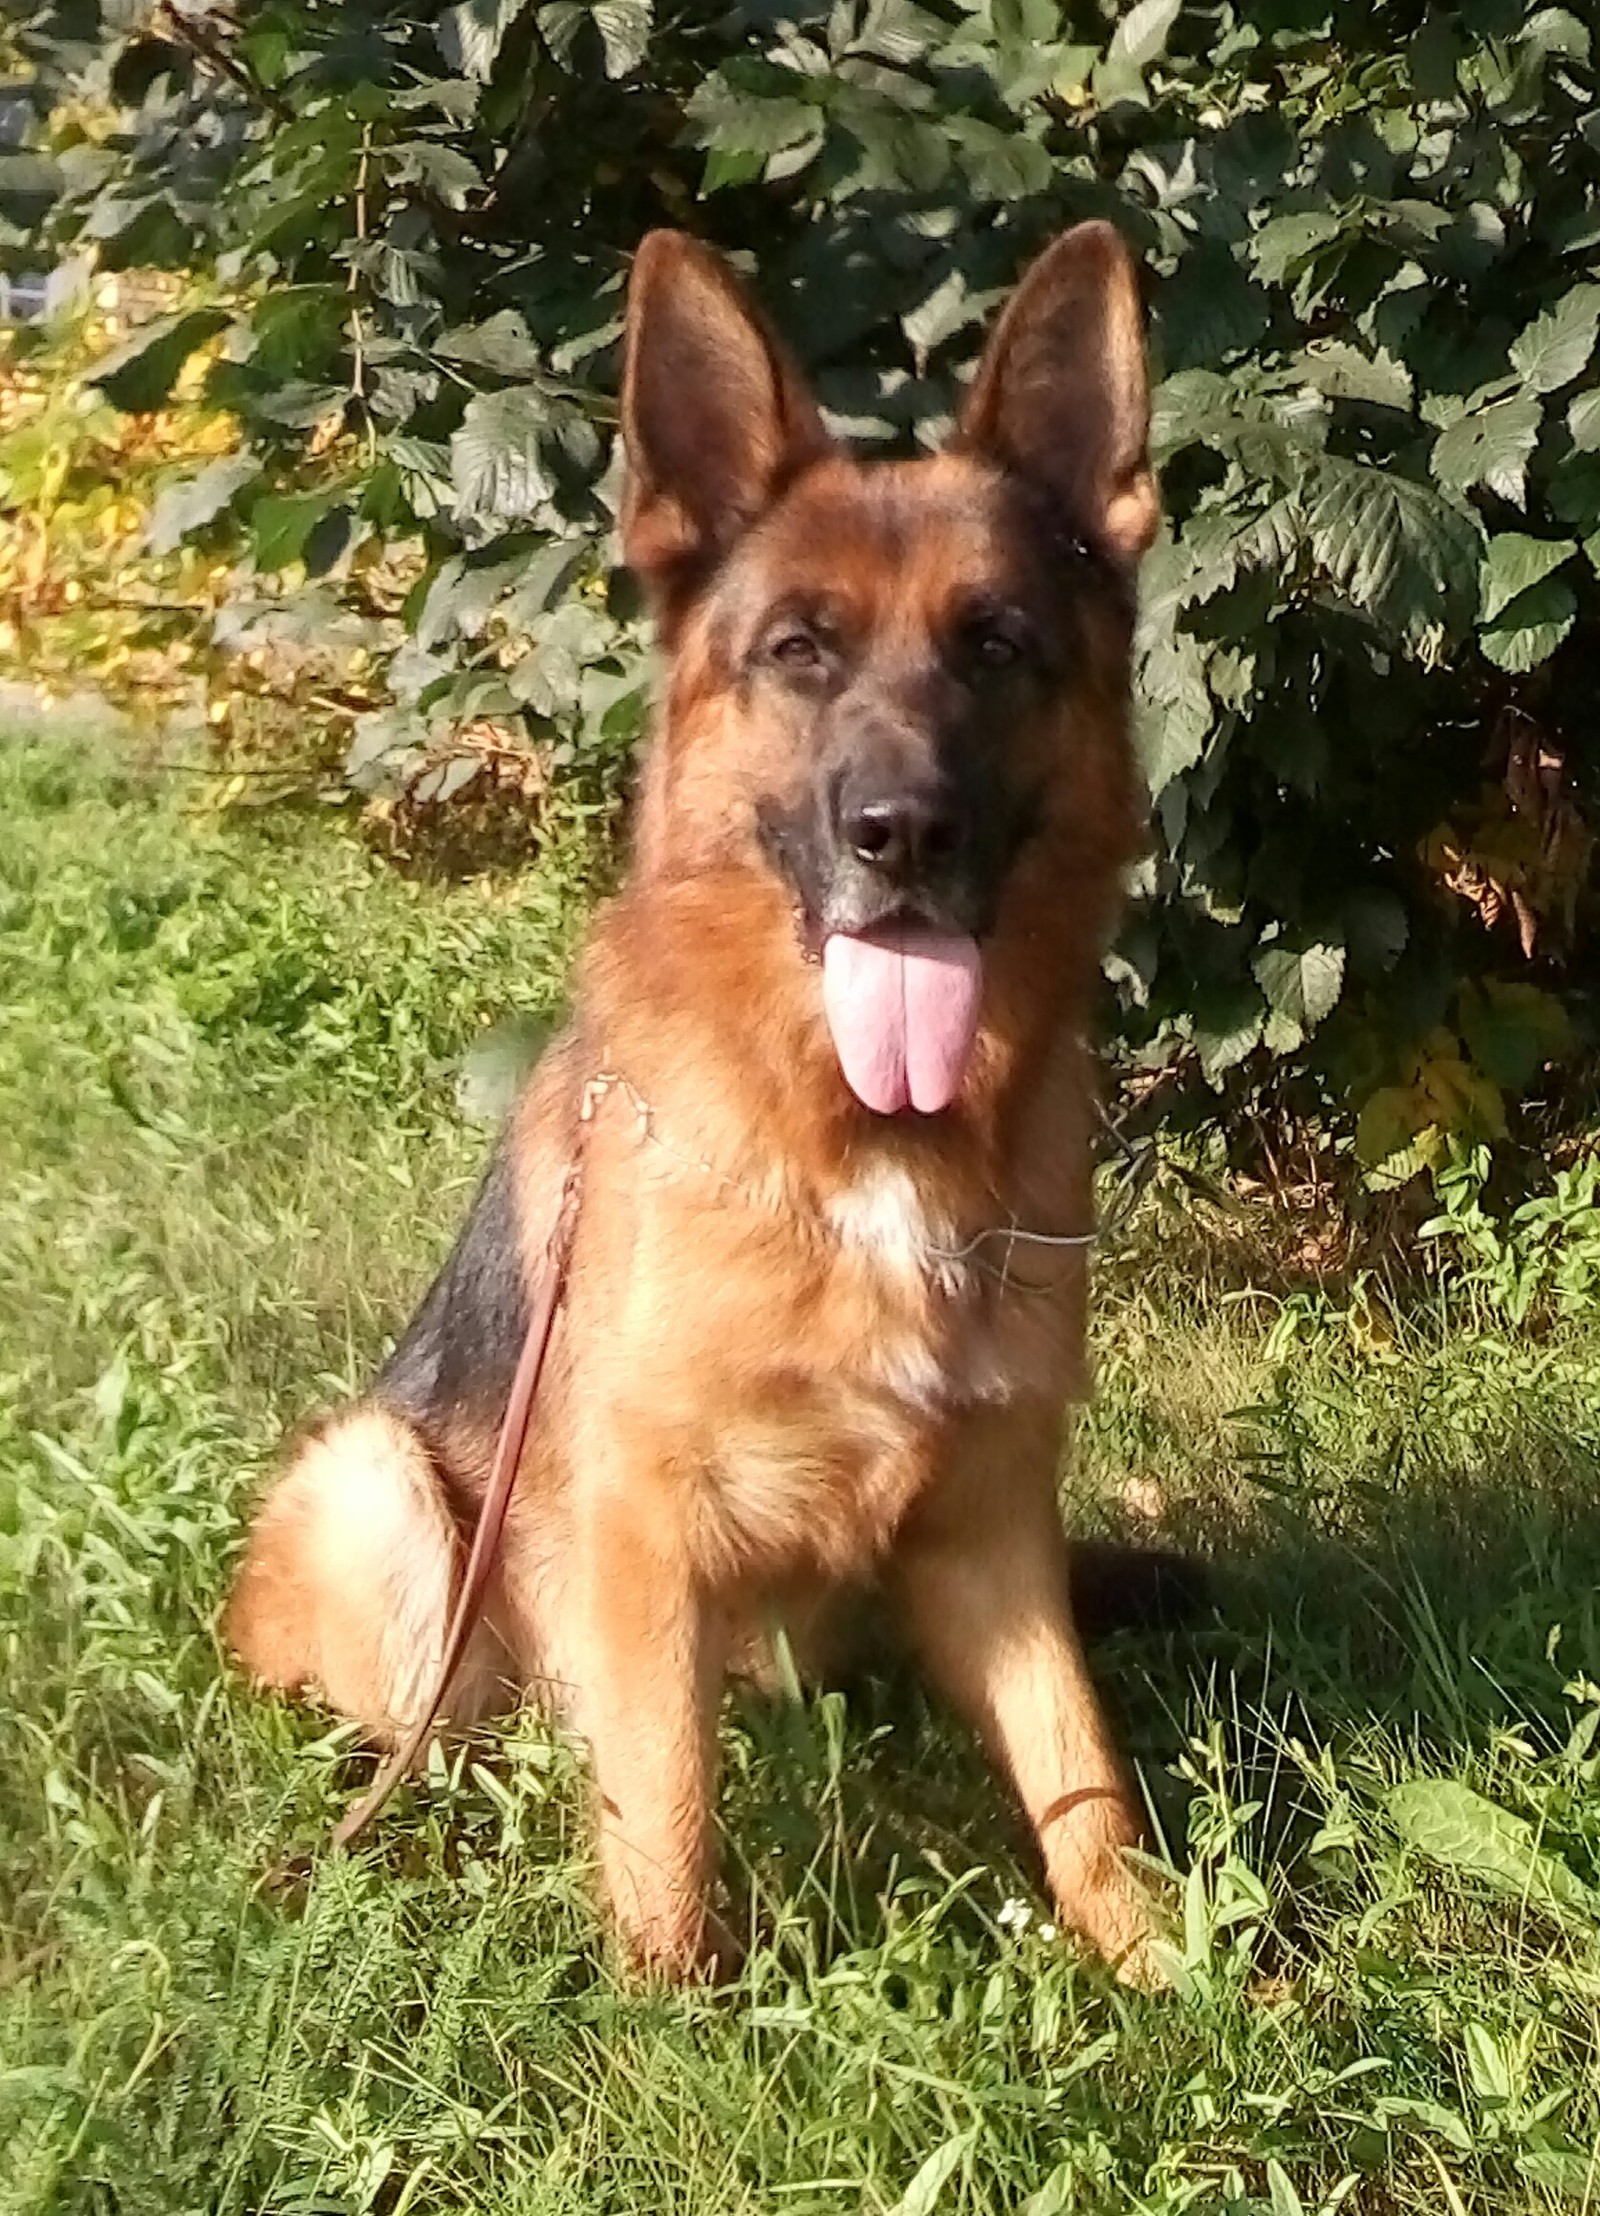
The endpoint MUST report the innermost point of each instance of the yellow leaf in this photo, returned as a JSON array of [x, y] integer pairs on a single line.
[[1389, 1120], [1369, 1323], [1461, 1098]]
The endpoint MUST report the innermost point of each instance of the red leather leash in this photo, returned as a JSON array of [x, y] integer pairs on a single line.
[[491, 1514]]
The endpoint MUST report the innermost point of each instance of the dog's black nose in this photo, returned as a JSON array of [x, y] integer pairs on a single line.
[[903, 833]]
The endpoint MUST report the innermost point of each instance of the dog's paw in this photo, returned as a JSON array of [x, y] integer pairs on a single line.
[[697, 1951]]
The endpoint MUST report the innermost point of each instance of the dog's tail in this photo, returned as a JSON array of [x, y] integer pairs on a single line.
[[1119, 1587], [348, 1576]]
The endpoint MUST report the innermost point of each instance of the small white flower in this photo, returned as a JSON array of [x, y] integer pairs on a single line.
[[1014, 1916], [1048, 1933]]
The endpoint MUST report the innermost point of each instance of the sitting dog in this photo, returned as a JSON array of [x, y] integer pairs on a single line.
[[827, 1070]]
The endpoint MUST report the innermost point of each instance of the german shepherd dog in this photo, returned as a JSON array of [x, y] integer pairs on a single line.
[[825, 1303]]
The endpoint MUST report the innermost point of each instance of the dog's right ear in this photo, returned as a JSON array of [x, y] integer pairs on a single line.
[[715, 418]]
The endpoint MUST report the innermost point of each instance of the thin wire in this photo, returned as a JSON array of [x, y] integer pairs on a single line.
[[1014, 1235], [607, 1081]]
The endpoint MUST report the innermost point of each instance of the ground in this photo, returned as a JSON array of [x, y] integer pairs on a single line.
[[231, 1148]]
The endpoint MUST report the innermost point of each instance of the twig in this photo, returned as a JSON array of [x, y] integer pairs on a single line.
[[199, 41], [358, 355]]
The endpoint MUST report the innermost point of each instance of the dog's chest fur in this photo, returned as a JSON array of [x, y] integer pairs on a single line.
[[936, 1345], [894, 1333]]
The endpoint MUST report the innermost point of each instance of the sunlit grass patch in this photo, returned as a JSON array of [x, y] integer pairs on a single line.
[[230, 1153]]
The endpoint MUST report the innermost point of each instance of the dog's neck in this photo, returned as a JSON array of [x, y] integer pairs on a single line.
[[865, 1213]]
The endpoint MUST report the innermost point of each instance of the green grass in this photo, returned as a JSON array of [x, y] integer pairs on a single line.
[[229, 1154]]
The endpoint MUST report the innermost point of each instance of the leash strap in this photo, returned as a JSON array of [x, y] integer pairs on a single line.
[[491, 1514]]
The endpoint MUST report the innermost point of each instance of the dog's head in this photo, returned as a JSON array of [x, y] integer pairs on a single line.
[[899, 687]]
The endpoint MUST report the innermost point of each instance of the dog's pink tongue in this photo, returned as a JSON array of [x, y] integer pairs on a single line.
[[903, 1010]]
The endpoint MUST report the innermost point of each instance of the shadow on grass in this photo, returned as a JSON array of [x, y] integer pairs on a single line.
[[1434, 1608]]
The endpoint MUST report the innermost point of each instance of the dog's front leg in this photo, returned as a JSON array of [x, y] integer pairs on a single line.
[[982, 1578], [651, 1674]]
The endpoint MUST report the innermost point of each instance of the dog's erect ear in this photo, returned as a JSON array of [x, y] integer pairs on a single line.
[[715, 418], [1062, 395]]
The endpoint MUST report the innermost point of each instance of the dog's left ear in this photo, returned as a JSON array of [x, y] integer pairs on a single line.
[[716, 419], [1062, 395]]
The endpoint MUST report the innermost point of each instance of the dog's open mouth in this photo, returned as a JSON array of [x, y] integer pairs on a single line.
[[902, 1004]]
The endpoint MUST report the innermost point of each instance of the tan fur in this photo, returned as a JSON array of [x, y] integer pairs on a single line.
[[784, 1372], [347, 1584]]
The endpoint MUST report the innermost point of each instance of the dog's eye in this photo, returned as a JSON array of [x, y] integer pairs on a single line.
[[796, 650], [992, 645]]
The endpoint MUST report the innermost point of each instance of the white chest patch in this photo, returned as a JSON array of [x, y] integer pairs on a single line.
[[882, 1215], [944, 1362]]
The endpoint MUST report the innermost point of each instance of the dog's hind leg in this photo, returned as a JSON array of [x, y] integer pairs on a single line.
[[347, 1581]]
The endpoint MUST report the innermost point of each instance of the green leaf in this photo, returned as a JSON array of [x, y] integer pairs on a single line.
[[1139, 39], [500, 345], [1057, 2195], [1208, 309], [281, 523], [1512, 1031], [1531, 628], [565, 643], [459, 598], [1173, 710], [29, 182], [1583, 421], [1375, 931], [470, 35], [386, 747], [498, 458], [296, 329], [1343, 372], [192, 502], [559, 25], [1489, 447], [998, 165], [950, 307], [1302, 982], [1556, 346], [1227, 1023], [1572, 2172], [440, 170], [731, 121], [1574, 494], [898, 31], [1283, 246], [623, 27], [1488, 2065], [1426, 2116], [1184, 407], [1558, 31], [1512, 562], [921, 2196], [494, 1069], [1398, 549], [1386, 1132], [1018, 20], [138, 375], [1282, 2199], [1453, 1825]]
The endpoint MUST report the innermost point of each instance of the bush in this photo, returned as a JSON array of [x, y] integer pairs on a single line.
[[1368, 662]]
